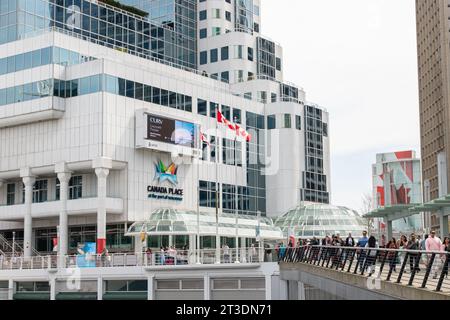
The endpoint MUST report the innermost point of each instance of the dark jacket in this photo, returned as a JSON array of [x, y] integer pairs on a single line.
[[347, 242]]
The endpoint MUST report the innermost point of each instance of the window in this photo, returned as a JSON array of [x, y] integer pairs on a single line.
[[225, 76], [203, 33], [203, 15], [298, 122], [212, 109], [256, 27], [216, 31], [202, 107], [207, 194], [262, 96], [237, 116], [214, 55], [248, 95], [287, 121], [224, 53], [226, 111], [203, 57], [10, 194], [216, 13], [212, 147], [40, 191], [271, 122], [238, 52], [278, 64], [76, 188], [325, 129], [273, 97], [228, 15], [250, 54], [239, 75]]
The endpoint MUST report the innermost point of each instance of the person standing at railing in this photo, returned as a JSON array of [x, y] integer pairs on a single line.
[[226, 253], [162, 256], [361, 252], [434, 243], [282, 251], [372, 245], [149, 255], [392, 244], [413, 257], [403, 242], [446, 248], [422, 247]]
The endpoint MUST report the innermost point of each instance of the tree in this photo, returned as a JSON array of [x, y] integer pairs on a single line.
[[367, 206]]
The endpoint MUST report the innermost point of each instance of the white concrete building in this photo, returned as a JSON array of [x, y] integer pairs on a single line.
[[91, 121]]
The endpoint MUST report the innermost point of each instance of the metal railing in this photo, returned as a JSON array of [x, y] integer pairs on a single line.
[[415, 268], [172, 258], [15, 247]]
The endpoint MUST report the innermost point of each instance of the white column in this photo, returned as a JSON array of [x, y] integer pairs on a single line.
[[389, 228], [100, 288], [261, 250], [52, 288], [192, 245], [443, 221], [243, 251], [102, 167], [10, 289], [268, 287], [150, 288], [28, 181], [206, 287], [218, 254], [63, 241]]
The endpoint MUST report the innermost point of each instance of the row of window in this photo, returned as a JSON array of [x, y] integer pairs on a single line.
[[41, 57], [287, 122], [40, 191], [237, 52], [215, 14], [247, 200]]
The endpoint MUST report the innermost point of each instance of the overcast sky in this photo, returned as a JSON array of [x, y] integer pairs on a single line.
[[357, 59]]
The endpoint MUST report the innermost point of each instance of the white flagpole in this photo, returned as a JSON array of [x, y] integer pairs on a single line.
[[217, 192], [198, 203], [236, 201]]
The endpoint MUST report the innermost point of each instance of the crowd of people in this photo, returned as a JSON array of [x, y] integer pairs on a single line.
[[369, 249]]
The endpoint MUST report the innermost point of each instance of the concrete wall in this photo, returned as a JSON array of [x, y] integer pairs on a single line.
[[349, 286]]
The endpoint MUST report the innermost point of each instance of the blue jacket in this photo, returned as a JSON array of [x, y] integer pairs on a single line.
[[362, 242]]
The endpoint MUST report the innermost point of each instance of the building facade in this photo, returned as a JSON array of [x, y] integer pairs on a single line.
[[396, 180], [108, 113], [432, 19]]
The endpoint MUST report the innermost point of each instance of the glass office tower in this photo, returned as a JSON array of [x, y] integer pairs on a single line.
[[122, 28]]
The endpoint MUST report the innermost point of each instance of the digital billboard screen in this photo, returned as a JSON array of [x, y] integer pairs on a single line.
[[171, 131]]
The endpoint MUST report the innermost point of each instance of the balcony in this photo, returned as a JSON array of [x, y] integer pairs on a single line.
[[50, 209]]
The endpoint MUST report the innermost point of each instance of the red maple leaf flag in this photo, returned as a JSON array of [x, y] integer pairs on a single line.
[[243, 133], [223, 120]]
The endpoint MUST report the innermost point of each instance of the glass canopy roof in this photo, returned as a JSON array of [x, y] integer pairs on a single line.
[[319, 220], [179, 222]]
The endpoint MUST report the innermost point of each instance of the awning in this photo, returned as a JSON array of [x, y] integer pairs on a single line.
[[392, 213], [179, 222]]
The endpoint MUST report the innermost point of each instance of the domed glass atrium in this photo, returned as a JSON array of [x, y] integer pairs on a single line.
[[319, 220]]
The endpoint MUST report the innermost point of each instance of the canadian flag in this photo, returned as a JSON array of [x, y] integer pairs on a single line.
[[243, 133], [223, 120], [240, 132]]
